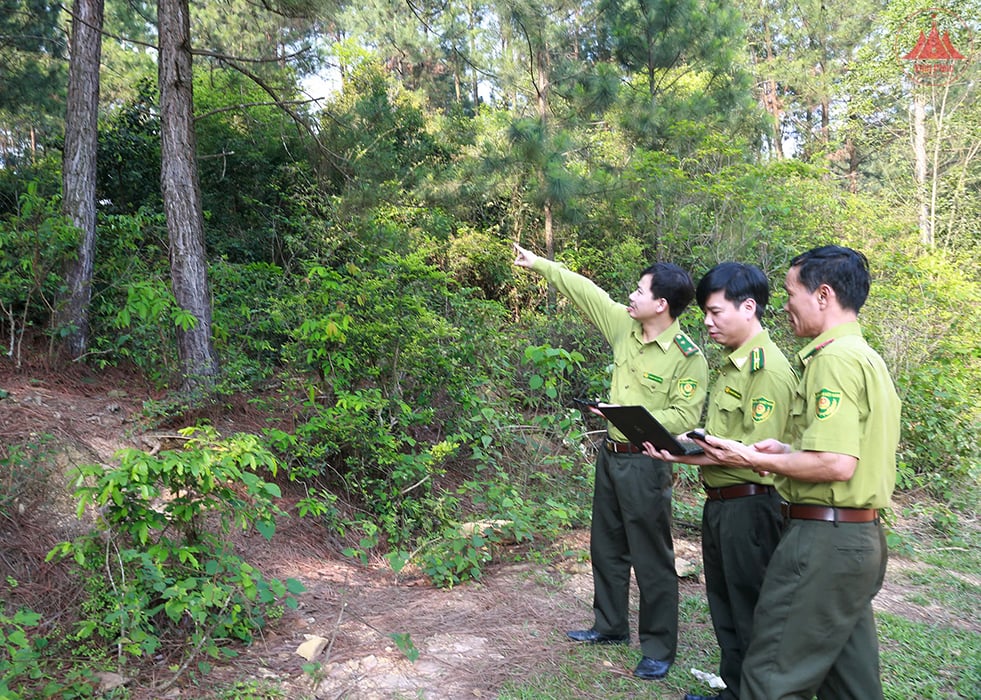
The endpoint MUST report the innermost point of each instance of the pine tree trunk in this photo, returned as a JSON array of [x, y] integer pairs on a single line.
[[920, 170], [182, 197], [79, 167]]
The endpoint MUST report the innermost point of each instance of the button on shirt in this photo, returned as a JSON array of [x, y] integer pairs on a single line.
[[668, 375]]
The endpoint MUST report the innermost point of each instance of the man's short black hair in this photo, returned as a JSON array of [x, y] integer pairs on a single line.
[[739, 281], [844, 270], [671, 283]]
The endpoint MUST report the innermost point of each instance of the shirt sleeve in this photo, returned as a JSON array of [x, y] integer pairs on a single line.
[[833, 401], [770, 399], [606, 314]]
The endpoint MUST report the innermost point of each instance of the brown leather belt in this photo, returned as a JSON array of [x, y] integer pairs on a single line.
[[736, 491], [622, 447], [829, 514]]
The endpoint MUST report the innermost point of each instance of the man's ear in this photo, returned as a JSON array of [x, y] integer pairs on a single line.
[[750, 306], [825, 293]]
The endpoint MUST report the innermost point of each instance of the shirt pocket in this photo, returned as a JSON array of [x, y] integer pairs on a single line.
[[729, 409], [636, 378]]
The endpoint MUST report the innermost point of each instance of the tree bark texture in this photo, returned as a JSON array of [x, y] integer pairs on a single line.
[[79, 167], [920, 170], [182, 197]]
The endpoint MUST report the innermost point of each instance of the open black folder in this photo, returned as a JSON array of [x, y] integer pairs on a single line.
[[640, 426]]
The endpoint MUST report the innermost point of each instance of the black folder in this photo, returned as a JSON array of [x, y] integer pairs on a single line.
[[640, 426]]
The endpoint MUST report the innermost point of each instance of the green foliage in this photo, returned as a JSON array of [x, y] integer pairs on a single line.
[[35, 246], [480, 260], [247, 329], [148, 322], [915, 316], [552, 372], [404, 642], [379, 134], [128, 178], [158, 570], [940, 435], [18, 657], [456, 557], [246, 167], [27, 670], [24, 475]]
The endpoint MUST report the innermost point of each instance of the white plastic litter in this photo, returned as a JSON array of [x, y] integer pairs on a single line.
[[711, 679]]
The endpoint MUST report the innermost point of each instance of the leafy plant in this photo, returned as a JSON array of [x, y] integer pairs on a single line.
[[35, 245], [169, 572], [26, 669], [24, 475], [552, 369]]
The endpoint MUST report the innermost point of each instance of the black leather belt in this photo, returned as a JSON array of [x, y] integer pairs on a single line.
[[736, 491], [622, 447], [829, 514]]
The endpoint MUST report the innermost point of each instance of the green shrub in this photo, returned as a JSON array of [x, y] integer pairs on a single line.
[[28, 670], [160, 549], [24, 475], [35, 247]]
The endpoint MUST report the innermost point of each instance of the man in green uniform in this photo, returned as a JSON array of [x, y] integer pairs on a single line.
[[813, 631], [657, 366], [749, 402]]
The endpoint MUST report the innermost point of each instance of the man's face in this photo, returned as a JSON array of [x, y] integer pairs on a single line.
[[729, 324], [643, 306], [802, 306]]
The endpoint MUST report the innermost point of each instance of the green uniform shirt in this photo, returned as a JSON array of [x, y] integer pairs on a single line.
[[750, 401], [668, 376], [846, 403]]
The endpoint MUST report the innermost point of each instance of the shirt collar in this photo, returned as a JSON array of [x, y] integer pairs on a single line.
[[740, 355], [829, 336], [665, 339]]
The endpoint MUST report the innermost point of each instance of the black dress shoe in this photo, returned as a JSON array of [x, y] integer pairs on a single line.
[[651, 669], [594, 637], [691, 696]]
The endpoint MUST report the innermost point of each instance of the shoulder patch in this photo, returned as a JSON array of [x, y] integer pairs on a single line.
[[757, 360], [684, 344], [826, 403], [687, 386], [762, 409]]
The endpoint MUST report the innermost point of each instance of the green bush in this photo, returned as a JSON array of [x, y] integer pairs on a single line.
[[160, 548], [35, 247], [35, 663]]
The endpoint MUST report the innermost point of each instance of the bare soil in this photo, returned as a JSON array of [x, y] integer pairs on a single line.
[[471, 639]]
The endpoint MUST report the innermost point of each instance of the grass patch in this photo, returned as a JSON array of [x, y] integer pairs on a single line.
[[588, 672], [941, 587], [927, 662]]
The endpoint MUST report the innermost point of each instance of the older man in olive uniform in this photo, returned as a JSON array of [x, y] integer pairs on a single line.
[[749, 402], [657, 366], [814, 631]]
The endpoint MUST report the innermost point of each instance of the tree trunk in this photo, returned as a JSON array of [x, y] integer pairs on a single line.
[[920, 169], [770, 95], [182, 197], [79, 167]]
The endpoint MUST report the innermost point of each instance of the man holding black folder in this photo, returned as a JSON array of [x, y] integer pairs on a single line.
[[749, 402], [657, 366]]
